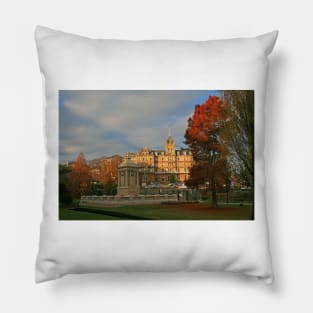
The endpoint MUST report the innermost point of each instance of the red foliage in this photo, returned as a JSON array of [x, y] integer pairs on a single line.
[[203, 137], [206, 121], [80, 178], [198, 175]]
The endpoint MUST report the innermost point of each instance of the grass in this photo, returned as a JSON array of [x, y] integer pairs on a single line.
[[176, 211], [71, 214]]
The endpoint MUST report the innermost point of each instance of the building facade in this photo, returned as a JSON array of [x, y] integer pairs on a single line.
[[105, 169], [163, 166], [155, 166]]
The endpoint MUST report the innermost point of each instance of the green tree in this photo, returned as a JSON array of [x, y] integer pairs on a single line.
[[238, 134], [172, 178], [65, 196], [110, 187]]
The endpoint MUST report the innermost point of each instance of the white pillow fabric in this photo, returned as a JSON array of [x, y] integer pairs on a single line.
[[71, 62]]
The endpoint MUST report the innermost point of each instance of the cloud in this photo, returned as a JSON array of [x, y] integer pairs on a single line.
[[109, 122]]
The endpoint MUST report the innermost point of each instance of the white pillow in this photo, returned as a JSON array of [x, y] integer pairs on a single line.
[[71, 62]]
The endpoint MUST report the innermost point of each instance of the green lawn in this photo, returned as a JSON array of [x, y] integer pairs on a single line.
[[177, 211], [70, 214]]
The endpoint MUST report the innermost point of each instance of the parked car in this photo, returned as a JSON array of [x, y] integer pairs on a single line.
[[181, 186], [152, 185]]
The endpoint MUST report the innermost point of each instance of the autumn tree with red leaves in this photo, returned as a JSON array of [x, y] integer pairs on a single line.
[[80, 178], [203, 137]]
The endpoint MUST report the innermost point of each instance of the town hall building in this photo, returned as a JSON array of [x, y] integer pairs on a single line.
[[160, 166]]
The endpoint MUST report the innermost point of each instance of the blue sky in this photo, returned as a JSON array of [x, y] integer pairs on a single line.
[[100, 122]]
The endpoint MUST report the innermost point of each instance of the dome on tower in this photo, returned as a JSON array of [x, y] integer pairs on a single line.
[[170, 140]]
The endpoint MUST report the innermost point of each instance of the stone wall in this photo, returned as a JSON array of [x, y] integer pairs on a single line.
[[116, 201]]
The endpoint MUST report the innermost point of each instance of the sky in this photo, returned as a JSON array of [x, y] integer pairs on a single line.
[[103, 123]]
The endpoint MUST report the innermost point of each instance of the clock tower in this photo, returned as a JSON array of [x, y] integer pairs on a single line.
[[170, 146]]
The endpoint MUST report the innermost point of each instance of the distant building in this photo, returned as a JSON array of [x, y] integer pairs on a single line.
[[105, 169]]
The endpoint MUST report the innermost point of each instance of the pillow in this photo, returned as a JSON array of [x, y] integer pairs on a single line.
[[155, 155]]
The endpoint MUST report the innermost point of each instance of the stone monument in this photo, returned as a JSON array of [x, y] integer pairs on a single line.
[[128, 178]]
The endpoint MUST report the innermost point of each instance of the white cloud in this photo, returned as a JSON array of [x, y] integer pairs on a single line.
[[96, 122]]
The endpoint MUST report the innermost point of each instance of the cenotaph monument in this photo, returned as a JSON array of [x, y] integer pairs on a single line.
[[128, 178]]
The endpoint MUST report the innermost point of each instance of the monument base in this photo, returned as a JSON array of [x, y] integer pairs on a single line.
[[128, 191]]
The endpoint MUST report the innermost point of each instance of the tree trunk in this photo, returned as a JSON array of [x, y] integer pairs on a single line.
[[214, 196], [213, 182]]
